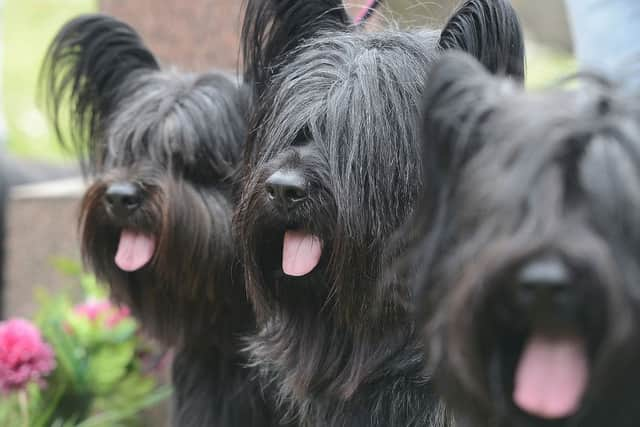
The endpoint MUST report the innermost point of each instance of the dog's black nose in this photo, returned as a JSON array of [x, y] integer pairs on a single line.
[[123, 198], [544, 286], [287, 188]]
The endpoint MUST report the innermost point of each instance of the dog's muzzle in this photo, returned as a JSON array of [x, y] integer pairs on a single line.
[[286, 189], [553, 371], [122, 199]]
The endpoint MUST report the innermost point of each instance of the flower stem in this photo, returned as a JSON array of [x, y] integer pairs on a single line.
[[23, 400]]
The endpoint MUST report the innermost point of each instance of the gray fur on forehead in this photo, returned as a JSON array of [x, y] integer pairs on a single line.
[[168, 114], [348, 80]]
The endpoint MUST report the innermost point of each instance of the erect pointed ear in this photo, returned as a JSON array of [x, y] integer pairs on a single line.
[[460, 94], [86, 69], [272, 29], [491, 32], [457, 99]]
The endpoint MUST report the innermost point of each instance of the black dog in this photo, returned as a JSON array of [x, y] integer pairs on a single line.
[[528, 250], [156, 223], [331, 172]]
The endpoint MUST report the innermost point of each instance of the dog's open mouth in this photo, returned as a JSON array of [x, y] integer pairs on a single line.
[[135, 250], [543, 340], [551, 375], [301, 253]]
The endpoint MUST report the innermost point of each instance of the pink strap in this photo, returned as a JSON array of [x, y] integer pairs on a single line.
[[366, 12]]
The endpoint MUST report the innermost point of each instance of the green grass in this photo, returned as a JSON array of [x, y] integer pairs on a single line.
[[28, 27]]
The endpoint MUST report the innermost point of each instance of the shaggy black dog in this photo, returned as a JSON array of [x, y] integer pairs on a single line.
[[332, 170], [162, 148], [528, 261]]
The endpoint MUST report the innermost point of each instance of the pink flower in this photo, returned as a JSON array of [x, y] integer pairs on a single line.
[[24, 356], [95, 310], [92, 309], [117, 316]]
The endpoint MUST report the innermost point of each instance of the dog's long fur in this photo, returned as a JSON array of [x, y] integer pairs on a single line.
[[339, 107], [177, 138], [515, 178]]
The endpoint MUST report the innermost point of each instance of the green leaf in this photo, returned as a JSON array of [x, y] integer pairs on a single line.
[[125, 330], [130, 391], [92, 288], [109, 418], [108, 365], [9, 411], [49, 402], [70, 357], [83, 330], [67, 266]]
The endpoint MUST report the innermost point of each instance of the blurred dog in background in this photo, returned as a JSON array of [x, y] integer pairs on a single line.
[[526, 248]]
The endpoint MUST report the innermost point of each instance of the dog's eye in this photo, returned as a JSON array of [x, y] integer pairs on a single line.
[[302, 138]]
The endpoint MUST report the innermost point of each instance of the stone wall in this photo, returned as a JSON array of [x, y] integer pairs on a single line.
[[194, 34], [41, 227]]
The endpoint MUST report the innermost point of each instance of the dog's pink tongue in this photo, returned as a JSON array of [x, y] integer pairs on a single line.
[[135, 250], [300, 253], [552, 376]]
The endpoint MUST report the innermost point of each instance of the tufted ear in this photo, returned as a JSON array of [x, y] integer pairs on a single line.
[[459, 96], [272, 29], [87, 66], [490, 31]]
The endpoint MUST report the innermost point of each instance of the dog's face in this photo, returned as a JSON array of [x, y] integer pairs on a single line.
[[529, 292], [162, 166], [159, 211], [162, 148], [334, 168], [331, 166]]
